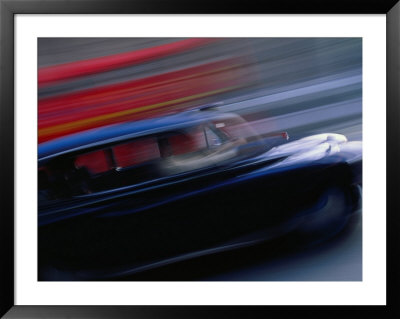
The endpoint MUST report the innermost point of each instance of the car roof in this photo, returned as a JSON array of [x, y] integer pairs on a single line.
[[120, 132]]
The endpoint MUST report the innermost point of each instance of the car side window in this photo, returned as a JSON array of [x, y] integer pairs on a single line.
[[95, 162], [181, 143], [200, 147], [213, 140], [135, 152], [235, 128]]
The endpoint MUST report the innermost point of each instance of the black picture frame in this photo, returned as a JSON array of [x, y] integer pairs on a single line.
[[8, 8]]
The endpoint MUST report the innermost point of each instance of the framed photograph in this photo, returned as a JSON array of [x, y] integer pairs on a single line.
[[166, 160]]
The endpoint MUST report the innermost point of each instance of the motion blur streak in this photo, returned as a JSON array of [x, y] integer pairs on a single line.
[[302, 85], [102, 64], [129, 100]]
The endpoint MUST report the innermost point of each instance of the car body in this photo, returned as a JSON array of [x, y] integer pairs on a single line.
[[129, 197]]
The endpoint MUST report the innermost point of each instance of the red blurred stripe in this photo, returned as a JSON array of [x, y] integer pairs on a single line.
[[50, 74], [138, 93], [132, 103], [136, 99], [106, 93]]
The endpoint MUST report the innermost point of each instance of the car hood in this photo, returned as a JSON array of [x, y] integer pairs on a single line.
[[304, 150]]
